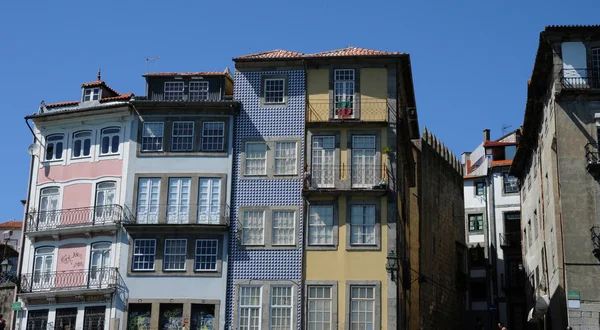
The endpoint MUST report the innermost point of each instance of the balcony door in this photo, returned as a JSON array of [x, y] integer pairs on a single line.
[[99, 264], [344, 93], [105, 210], [43, 278], [49, 213], [363, 161], [178, 207], [209, 201], [147, 201], [323, 160]]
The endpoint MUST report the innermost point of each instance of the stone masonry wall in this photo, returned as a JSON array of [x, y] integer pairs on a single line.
[[6, 299]]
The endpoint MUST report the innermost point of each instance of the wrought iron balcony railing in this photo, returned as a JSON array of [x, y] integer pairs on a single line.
[[359, 111], [181, 214], [77, 217], [510, 239], [329, 177], [580, 78], [95, 278], [593, 159]]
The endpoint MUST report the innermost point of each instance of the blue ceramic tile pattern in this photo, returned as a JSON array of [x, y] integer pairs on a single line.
[[254, 121]]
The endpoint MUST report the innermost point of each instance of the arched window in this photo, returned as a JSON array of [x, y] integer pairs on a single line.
[[48, 210], [42, 268], [82, 143], [105, 200], [54, 146], [99, 262], [109, 142]]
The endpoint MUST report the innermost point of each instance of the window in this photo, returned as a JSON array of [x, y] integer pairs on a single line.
[[82, 143], [144, 254], [274, 91], [475, 222], [91, 94], [105, 199], [320, 225], [281, 308], [249, 308], [284, 227], [362, 307], [49, 212], [525, 237], [152, 136], [174, 90], [182, 138], [99, 263], [344, 92], [323, 161], [256, 158], [320, 306], [178, 203], [206, 255], [109, 141], [529, 233], [510, 184], [198, 90], [253, 227], [285, 158], [535, 224], [480, 188], [54, 147], [362, 225], [42, 268], [175, 253], [209, 201], [147, 200], [364, 171], [213, 136]]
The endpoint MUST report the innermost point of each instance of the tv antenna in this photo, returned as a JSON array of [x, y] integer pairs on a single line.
[[148, 59], [504, 128]]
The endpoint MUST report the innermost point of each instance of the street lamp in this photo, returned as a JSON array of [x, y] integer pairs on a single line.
[[6, 266], [392, 264]]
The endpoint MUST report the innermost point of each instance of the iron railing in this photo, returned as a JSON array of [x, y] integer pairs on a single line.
[[342, 177], [580, 78], [591, 153], [510, 239], [76, 217], [99, 278], [180, 214], [362, 111]]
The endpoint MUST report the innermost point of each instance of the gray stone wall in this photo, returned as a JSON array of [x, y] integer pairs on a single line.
[[7, 292], [585, 318]]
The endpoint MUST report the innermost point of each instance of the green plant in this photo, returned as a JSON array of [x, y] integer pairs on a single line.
[[386, 150]]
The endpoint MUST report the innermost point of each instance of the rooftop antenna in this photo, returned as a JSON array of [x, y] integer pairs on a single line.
[[148, 59], [504, 128]]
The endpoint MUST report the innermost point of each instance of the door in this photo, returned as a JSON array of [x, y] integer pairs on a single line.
[[209, 199], [147, 201], [178, 207], [323, 162], [99, 265], [43, 278], [344, 93], [65, 319], [93, 318], [364, 171], [48, 214], [105, 210]]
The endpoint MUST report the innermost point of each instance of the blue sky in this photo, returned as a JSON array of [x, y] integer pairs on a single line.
[[471, 59]]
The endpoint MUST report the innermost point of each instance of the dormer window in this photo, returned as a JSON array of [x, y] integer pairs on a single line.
[[198, 90], [91, 94], [174, 90]]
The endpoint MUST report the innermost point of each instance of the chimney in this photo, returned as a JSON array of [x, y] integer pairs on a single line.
[[486, 135]]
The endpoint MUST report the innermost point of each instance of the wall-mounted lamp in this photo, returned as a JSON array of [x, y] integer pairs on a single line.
[[392, 265]]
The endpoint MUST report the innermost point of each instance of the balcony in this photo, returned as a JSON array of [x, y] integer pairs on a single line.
[[324, 113], [580, 79], [70, 281], [510, 240], [366, 179], [593, 159], [213, 216], [93, 218]]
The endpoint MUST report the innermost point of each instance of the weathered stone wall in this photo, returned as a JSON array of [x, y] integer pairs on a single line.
[[7, 292]]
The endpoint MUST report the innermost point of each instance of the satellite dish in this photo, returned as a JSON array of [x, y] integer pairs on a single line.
[[33, 149]]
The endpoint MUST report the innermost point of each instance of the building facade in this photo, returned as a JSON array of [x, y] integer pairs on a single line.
[[492, 223], [69, 275], [557, 165], [174, 251]]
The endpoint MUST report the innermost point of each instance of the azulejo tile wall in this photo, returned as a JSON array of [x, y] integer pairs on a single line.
[[255, 122]]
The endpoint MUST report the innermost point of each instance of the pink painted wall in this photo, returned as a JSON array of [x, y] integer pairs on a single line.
[[74, 196], [84, 170], [71, 263]]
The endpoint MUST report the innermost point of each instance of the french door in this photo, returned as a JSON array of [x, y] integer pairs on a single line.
[[209, 199], [48, 215], [147, 201], [99, 264], [105, 199], [178, 205], [323, 160], [42, 269], [364, 171]]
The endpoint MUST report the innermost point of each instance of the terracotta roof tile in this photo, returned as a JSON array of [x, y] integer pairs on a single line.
[[186, 74], [275, 53], [488, 144], [12, 224], [353, 51], [121, 97], [117, 98], [506, 162], [61, 104], [99, 83]]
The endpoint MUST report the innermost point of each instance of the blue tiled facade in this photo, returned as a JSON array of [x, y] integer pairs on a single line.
[[255, 121]]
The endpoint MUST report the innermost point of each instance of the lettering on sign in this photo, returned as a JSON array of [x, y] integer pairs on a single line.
[[74, 259]]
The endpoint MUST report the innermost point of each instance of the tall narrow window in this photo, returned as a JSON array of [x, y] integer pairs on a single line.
[[344, 93], [105, 209], [362, 225], [285, 158], [178, 207], [320, 225], [82, 143], [152, 136], [362, 307], [284, 227], [209, 201], [109, 141], [147, 200], [175, 254], [174, 90], [182, 136], [207, 254], [323, 160], [281, 308], [198, 90], [475, 222], [91, 94], [54, 147], [320, 308], [213, 136], [256, 158], [274, 91], [249, 308], [144, 254], [253, 224], [48, 215], [480, 188], [100, 263], [364, 171], [42, 268]]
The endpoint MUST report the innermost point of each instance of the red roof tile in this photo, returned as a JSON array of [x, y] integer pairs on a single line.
[[506, 162], [122, 97], [186, 74], [488, 144], [61, 104], [353, 51], [276, 53], [99, 83], [117, 98], [12, 224]]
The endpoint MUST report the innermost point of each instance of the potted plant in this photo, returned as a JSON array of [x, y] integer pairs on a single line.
[[387, 150]]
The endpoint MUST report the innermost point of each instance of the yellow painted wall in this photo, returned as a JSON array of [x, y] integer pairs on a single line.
[[317, 90], [373, 94]]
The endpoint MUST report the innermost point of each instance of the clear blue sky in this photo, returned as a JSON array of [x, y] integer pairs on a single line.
[[471, 59]]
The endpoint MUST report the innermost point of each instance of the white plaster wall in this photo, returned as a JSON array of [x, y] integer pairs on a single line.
[[471, 200]]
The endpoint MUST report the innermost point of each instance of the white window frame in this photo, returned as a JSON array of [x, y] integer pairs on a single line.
[[208, 212], [358, 299], [110, 134], [185, 141], [179, 212], [105, 212], [208, 139], [48, 218], [44, 276], [54, 140], [278, 228], [364, 175], [344, 81], [323, 171], [81, 139], [328, 227], [363, 226], [144, 254], [91, 94], [100, 273], [151, 137], [174, 255], [245, 228], [199, 90], [289, 159], [506, 182], [174, 90], [274, 93], [151, 210], [281, 307], [264, 159], [310, 300], [249, 307], [198, 256]]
